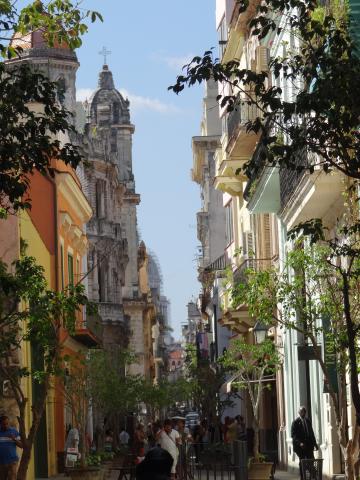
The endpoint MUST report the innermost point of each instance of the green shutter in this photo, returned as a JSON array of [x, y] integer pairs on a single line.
[[71, 269], [354, 10]]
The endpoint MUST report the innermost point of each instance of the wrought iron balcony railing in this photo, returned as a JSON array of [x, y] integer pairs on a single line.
[[218, 265], [291, 177]]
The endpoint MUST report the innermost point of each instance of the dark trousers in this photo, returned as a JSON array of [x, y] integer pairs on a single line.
[[305, 453]]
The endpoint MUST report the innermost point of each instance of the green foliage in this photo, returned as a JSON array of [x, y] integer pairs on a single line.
[[320, 122], [29, 140], [90, 461], [112, 391], [31, 312], [255, 365], [106, 456], [205, 380]]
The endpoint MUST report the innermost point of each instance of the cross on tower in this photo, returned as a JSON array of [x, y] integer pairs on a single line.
[[105, 53]]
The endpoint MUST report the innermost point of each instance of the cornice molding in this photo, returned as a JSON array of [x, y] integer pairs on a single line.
[[71, 190]]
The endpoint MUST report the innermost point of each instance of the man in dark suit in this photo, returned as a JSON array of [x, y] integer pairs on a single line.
[[302, 434]]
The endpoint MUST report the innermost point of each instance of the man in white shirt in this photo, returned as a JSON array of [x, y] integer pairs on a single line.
[[124, 438], [169, 440]]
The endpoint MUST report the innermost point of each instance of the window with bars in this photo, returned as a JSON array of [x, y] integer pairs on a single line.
[[70, 269], [223, 37], [62, 267]]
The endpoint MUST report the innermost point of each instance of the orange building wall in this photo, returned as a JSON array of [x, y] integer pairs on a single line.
[[42, 214]]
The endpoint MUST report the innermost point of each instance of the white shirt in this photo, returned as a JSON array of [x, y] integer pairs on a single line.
[[175, 435], [168, 443], [124, 438]]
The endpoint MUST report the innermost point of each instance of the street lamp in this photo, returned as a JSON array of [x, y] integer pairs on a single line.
[[260, 331]]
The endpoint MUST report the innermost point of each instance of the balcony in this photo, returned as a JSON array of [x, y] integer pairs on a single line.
[[219, 265], [241, 142], [90, 332], [290, 178], [228, 177], [262, 191], [237, 30], [238, 319]]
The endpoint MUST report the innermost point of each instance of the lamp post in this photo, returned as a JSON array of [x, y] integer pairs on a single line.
[[260, 332]]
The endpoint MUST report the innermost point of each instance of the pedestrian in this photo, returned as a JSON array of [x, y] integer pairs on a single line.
[[225, 428], [241, 428], [124, 438], [232, 431], [72, 439], [109, 441], [139, 441], [303, 437], [9, 440], [156, 429], [184, 432], [157, 465], [169, 440]]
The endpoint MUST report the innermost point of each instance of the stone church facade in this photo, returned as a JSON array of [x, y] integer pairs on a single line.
[[116, 258]]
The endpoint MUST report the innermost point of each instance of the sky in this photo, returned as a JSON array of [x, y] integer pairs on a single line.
[[150, 41]]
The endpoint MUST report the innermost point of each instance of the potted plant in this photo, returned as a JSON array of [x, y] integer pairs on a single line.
[[255, 365]]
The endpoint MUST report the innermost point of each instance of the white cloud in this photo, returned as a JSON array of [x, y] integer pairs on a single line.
[[137, 102], [174, 62], [83, 94]]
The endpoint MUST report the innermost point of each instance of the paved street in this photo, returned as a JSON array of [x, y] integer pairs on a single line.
[[281, 475]]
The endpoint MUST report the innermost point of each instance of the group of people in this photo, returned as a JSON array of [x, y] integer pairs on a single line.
[[167, 436], [157, 448], [172, 433], [234, 429]]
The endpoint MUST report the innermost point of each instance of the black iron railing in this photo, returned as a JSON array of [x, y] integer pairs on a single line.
[[290, 178], [234, 120], [212, 461], [218, 265], [257, 264]]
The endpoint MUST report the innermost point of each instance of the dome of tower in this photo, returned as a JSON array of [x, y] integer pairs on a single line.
[[33, 44], [107, 105]]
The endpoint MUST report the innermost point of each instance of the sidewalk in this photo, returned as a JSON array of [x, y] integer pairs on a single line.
[[283, 475]]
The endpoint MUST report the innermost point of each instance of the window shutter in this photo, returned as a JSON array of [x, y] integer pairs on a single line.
[[267, 236], [262, 59]]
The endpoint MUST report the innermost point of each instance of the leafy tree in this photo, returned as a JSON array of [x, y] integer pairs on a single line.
[[28, 140], [255, 366], [206, 380], [77, 395], [114, 392], [320, 122], [317, 294], [30, 312], [162, 398]]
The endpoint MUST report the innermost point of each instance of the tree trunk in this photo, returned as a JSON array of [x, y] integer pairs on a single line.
[[351, 455], [256, 450], [28, 443], [351, 333], [24, 463]]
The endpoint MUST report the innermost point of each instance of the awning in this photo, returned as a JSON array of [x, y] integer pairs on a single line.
[[226, 387]]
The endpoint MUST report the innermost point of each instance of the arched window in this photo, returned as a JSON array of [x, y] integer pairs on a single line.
[[61, 89]]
